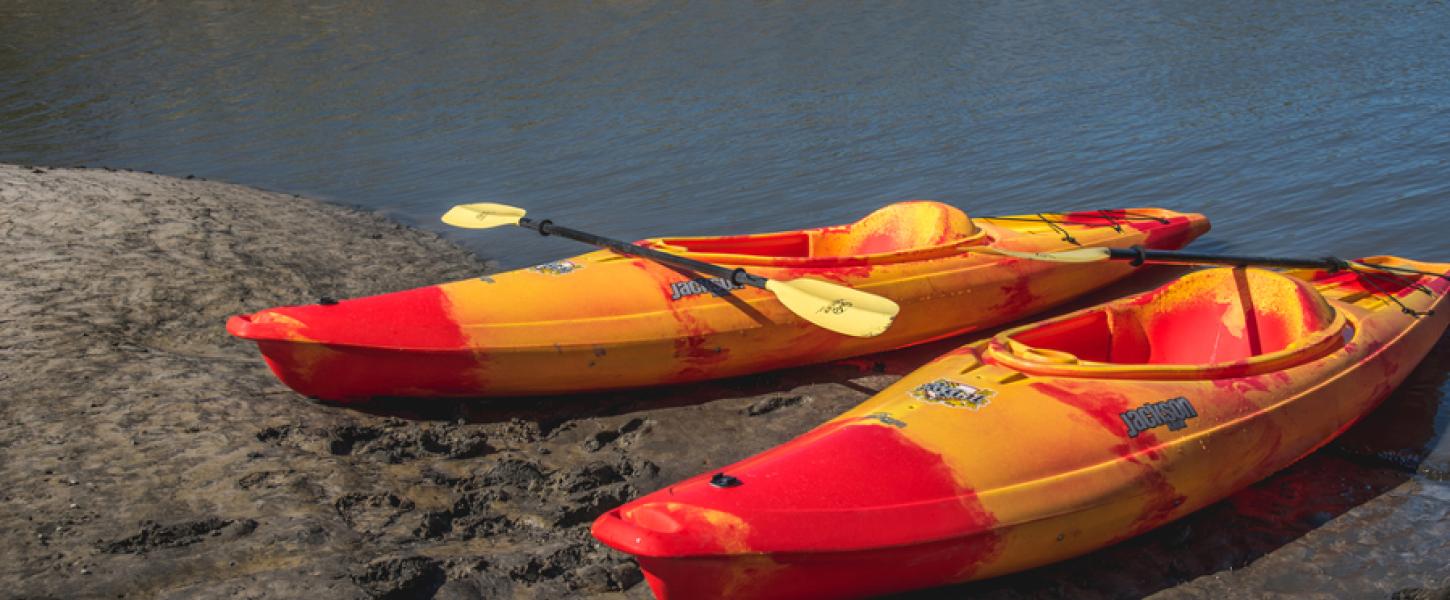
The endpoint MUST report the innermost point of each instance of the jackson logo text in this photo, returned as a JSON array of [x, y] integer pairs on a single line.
[[719, 286], [1172, 412]]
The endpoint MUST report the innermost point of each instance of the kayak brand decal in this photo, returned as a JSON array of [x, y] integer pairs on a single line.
[[1173, 413], [719, 286], [950, 393], [557, 268]]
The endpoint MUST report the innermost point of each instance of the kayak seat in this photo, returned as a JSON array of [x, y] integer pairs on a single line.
[[1209, 317], [894, 228]]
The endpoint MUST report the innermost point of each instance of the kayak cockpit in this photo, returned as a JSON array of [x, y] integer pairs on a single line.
[[900, 231], [1237, 321]]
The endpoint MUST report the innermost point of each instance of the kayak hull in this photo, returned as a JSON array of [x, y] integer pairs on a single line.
[[1004, 455], [603, 321]]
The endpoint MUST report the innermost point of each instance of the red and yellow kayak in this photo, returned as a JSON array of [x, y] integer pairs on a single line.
[[1047, 441], [603, 320]]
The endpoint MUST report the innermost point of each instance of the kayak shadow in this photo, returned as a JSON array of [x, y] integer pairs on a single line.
[[1397, 442], [549, 411], [858, 375]]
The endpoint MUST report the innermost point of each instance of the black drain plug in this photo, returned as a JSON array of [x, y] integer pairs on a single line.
[[721, 480]]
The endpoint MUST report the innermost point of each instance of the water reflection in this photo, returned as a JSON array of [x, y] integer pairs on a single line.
[[1409, 430]]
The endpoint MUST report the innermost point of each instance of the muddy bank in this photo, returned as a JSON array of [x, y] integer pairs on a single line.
[[148, 455]]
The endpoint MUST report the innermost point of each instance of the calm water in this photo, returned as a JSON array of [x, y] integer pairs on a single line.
[[1296, 127], [1300, 128]]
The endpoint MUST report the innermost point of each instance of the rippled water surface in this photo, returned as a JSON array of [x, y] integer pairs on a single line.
[[1300, 128], [1297, 127]]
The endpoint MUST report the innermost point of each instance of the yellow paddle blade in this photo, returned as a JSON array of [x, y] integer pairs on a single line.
[[835, 307], [1076, 255], [483, 215]]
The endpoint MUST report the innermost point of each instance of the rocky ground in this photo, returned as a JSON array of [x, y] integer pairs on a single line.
[[148, 455]]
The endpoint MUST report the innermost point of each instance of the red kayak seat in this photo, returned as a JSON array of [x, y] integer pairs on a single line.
[[895, 228]]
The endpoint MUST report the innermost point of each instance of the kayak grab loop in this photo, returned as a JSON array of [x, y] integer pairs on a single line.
[[1401, 279], [1365, 276], [1111, 221], [1066, 237], [1140, 217], [327, 301], [1402, 270], [1379, 278]]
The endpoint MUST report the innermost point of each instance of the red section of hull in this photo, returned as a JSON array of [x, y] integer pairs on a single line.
[[342, 372], [816, 575], [826, 517]]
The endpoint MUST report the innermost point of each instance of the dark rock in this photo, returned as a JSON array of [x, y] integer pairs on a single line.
[[154, 536], [402, 578], [372, 512], [772, 404]]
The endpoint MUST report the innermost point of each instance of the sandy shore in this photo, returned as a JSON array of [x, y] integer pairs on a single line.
[[149, 455]]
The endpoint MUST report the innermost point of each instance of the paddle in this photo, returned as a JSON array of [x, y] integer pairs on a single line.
[[834, 307], [1138, 255]]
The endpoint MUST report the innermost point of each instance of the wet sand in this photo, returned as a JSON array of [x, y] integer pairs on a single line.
[[149, 455]]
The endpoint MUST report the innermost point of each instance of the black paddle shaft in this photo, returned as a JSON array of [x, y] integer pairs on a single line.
[[1137, 255], [736, 276]]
